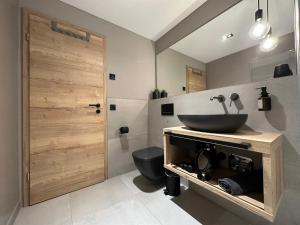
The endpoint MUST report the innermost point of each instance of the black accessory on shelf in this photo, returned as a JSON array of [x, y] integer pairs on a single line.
[[206, 160], [188, 166], [163, 94], [240, 163], [282, 70], [243, 183], [172, 184], [155, 94]]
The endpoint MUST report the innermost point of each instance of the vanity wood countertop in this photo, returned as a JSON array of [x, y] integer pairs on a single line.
[[262, 142]]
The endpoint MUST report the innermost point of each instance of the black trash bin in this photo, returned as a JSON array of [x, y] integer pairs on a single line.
[[172, 184]]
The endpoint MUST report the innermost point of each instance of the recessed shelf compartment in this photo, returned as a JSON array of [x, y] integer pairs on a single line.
[[267, 148]]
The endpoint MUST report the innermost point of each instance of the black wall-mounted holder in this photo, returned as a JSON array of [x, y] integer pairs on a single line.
[[124, 130]]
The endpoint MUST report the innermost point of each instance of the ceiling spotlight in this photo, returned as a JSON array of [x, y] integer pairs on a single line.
[[269, 43], [227, 36], [261, 28]]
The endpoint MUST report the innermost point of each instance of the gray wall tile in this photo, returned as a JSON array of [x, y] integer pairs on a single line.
[[131, 113], [9, 181], [284, 118]]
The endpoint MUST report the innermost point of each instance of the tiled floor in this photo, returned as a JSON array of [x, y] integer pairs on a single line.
[[128, 199]]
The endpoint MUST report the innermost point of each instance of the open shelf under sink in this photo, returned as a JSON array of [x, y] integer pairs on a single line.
[[266, 146], [254, 199]]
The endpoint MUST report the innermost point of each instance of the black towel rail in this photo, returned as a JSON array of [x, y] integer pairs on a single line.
[[242, 145]]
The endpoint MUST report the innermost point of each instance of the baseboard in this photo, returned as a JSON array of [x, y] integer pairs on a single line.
[[14, 214]]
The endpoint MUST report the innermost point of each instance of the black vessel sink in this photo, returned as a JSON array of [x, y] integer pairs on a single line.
[[227, 123]]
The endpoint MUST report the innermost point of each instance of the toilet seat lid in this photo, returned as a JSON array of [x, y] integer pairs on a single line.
[[148, 154]]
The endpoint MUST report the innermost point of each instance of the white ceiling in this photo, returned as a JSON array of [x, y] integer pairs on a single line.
[[149, 18], [206, 43]]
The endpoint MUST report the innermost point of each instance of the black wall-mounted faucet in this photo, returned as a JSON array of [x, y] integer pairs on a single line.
[[234, 97], [220, 98]]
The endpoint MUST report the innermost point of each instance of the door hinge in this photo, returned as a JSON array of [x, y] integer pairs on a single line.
[[28, 176], [27, 36]]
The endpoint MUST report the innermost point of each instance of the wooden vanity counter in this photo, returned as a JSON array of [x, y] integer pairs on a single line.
[[269, 145]]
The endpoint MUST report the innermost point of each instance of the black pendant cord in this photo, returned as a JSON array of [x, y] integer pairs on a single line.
[[270, 31], [268, 10], [258, 4]]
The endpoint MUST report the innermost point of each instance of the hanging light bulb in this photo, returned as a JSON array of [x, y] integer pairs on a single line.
[[261, 28], [269, 43]]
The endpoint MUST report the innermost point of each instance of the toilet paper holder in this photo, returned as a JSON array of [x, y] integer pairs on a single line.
[[124, 130]]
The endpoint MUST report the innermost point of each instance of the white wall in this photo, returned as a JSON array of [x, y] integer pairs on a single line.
[[9, 176], [129, 56], [284, 117], [171, 70]]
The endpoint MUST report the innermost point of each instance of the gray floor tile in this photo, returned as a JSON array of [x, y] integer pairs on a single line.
[[53, 212]]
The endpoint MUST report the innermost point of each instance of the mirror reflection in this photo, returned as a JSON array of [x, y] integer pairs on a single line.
[[253, 41]]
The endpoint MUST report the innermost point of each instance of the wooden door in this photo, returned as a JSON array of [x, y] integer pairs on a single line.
[[67, 138], [195, 80]]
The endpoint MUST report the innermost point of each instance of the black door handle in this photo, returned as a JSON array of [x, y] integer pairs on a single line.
[[95, 105]]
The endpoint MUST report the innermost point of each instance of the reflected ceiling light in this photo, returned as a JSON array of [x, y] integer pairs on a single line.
[[227, 36], [261, 28], [269, 43]]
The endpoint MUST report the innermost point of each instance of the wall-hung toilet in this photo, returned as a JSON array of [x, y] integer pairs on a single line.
[[150, 162]]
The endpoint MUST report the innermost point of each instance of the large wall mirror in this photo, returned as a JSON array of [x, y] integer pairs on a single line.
[[252, 41]]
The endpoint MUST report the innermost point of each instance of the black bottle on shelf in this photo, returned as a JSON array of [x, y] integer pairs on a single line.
[[264, 101], [155, 94], [163, 94]]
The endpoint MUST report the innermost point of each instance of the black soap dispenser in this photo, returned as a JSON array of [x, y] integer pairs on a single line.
[[264, 101]]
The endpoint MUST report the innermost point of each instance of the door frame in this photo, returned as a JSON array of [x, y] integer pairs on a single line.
[[25, 96]]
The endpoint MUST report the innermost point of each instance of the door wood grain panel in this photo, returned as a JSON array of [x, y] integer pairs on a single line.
[[67, 139]]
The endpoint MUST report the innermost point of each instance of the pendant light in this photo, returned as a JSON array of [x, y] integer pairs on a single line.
[[270, 42], [261, 28]]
